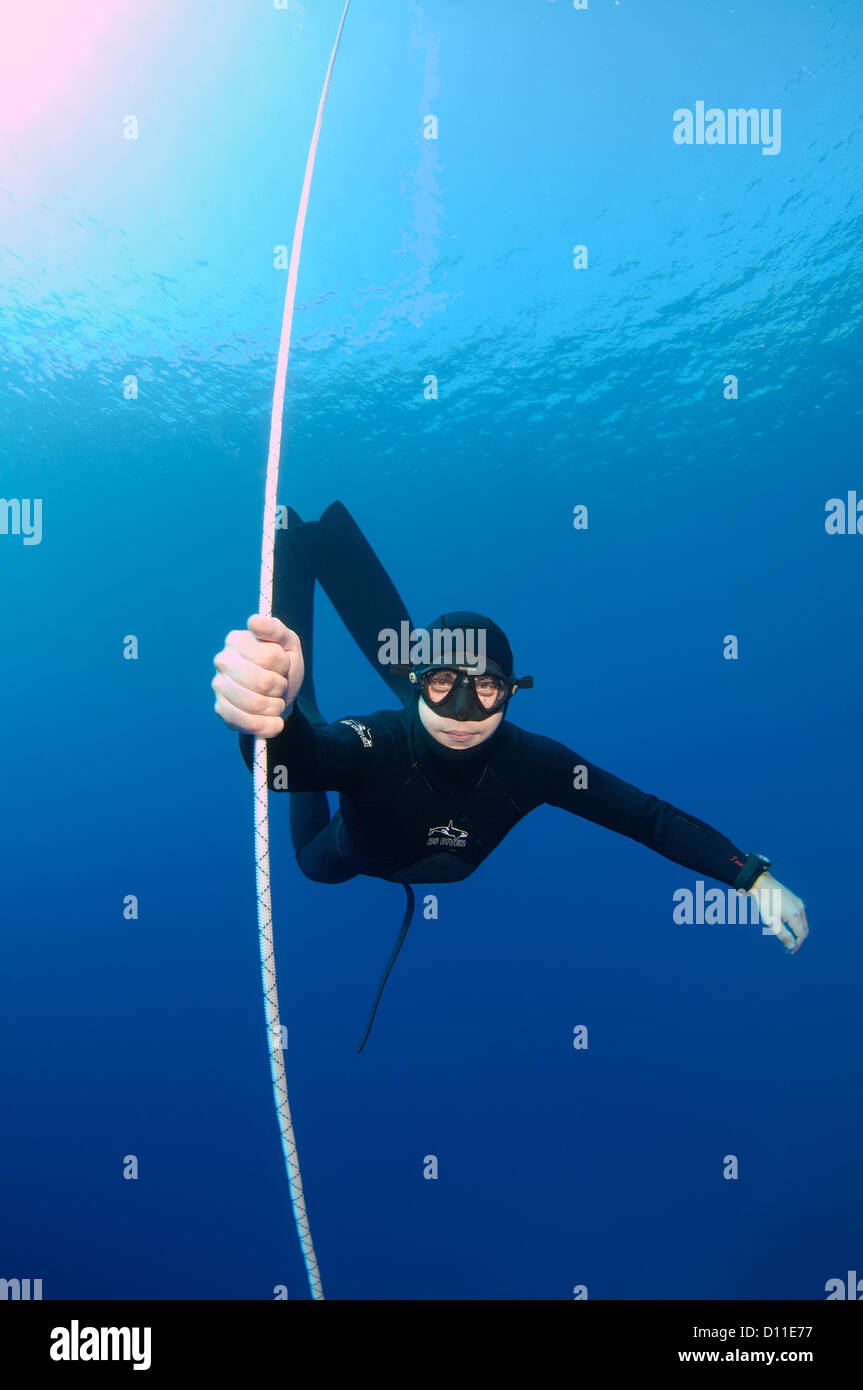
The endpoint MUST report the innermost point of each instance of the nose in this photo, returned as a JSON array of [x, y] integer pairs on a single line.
[[462, 704]]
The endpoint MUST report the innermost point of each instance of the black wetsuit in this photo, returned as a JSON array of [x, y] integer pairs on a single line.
[[409, 815], [412, 811]]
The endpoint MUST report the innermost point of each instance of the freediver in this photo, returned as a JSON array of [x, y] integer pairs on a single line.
[[427, 792]]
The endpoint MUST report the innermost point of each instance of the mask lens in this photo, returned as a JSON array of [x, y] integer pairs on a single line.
[[490, 691], [436, 685], [439, 684]]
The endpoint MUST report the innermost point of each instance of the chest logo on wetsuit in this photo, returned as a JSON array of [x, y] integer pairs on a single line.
[[446, 837], [364, 733]]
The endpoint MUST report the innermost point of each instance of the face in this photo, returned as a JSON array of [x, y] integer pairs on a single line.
[[458, 733]]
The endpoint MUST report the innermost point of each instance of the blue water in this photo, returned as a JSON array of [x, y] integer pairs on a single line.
[[153, 258]]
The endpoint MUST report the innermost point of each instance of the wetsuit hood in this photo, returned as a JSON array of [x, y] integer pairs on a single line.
[[483, 645], [479, 634]]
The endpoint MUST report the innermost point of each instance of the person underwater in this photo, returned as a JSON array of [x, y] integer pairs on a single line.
[[428, 791]]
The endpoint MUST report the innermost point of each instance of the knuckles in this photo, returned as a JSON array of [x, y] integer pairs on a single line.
[[265, 680], [266, 656]]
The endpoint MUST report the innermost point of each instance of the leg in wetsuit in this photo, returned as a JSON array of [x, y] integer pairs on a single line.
[[334, 552]]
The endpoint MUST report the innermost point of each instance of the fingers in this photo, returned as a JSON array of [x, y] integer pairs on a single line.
[[784, 935], [781, 911], [236, 718], [770, 910], [252, 680], [792, 931], [270, 655], [243, 698], [800, 928], [261, 668], [274, 630]]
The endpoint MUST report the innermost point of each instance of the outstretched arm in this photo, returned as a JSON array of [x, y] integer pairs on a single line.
[[581, 787]]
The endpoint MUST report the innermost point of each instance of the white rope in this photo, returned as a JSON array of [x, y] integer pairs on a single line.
[[262, 830]]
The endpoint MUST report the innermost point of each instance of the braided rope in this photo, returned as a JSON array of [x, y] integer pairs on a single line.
[[262, 830]]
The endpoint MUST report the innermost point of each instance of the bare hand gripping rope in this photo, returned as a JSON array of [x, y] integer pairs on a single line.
[[262, 830]]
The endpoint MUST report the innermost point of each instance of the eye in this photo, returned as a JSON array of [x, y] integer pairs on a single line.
[[441, 681]]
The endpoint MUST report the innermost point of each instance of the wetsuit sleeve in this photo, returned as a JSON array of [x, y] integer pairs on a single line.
[[574, 784], [329, 757]]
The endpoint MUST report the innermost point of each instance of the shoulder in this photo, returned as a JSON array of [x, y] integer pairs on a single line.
[[519, 744], [371, 730], [532, 762]]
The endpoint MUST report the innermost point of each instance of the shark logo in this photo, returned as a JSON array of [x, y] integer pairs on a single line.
[[448, 836], [364, 733]]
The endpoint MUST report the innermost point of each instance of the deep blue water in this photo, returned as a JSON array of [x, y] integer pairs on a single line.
[[603, 386]]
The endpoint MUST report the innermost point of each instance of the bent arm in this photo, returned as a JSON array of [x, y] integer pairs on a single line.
[[306, 758]]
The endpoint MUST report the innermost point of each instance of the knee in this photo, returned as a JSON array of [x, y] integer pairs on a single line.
[[307, 867], [330, 869]]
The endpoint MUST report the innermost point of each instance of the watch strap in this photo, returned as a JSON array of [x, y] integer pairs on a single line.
[[753, 866]]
